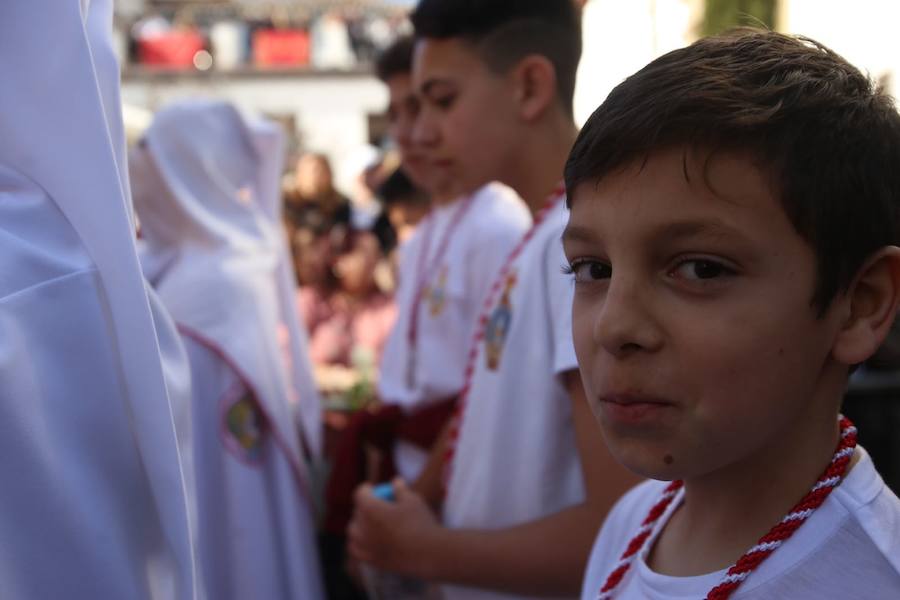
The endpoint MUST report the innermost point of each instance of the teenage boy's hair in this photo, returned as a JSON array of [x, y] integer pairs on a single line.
[[829, 140], [503, 32], [396, 59]]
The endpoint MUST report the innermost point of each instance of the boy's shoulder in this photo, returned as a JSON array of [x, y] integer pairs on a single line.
[[849, 548], [498, 208]]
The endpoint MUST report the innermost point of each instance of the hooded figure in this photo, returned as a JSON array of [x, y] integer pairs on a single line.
[[94, 386], [205, 184]]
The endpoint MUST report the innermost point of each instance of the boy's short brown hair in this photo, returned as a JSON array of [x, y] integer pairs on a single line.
[[503, 32], [827, 137]]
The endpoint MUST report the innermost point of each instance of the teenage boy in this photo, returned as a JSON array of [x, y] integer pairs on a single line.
[[527, 474], [733, 241], [394, 69], [445, 273]]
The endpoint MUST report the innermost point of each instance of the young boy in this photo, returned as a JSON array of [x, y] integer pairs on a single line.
[[93, 383], [528, 477], [205, 185], [733, 242]]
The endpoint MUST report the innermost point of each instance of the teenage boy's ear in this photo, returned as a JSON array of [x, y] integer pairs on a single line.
[[534, 78], [869, 309]]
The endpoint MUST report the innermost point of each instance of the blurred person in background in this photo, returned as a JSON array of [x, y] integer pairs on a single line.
[[405, 204], [311, 199], [206, 187], [348, 328], [97, 499], [444, 275], [317, 219]]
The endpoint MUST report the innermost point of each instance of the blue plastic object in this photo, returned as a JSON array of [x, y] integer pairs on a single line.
[[384, 491]]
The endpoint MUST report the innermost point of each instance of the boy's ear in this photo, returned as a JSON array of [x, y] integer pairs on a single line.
[[534, 78], [870, 307]]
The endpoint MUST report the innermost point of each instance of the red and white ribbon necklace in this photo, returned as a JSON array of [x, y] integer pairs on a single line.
[[556, 197], [766, 545], [423, 268]]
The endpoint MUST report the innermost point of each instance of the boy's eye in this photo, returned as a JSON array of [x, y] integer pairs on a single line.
[[443, 101], [586, 271], [700, 269]]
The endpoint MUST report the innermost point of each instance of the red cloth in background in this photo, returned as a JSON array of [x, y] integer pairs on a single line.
[[379, 428], [281, 47], [174, 49]]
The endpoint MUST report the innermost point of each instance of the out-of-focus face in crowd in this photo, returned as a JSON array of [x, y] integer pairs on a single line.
[[313, 176], [355, 268]]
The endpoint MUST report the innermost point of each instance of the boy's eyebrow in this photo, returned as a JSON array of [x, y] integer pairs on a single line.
[[429, 84], [668, 232], [577, 233], [686, 229]]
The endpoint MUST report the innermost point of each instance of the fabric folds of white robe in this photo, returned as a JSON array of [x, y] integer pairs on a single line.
[[205, 188], [93, 379]]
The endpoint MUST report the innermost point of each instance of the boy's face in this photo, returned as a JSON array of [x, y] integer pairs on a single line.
[[698, 346], [468, 114], [403, 110]]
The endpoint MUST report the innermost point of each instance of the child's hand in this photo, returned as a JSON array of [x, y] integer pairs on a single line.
[[393, 536]]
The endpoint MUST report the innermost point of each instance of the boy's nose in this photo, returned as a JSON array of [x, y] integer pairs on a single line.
[[424, 131], [624, 324]]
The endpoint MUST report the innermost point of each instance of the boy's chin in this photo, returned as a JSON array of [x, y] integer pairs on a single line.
[[646, 462]]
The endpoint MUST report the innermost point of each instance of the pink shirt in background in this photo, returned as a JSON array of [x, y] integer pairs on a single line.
[[336, 326]]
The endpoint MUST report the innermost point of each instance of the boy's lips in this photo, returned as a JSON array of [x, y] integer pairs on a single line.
[[632, 408]]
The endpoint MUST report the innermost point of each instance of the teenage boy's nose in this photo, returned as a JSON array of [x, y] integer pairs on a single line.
[[623, 325], [424, 131]]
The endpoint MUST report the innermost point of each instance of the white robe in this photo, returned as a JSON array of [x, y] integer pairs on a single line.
[[205, 187], [93, 379]]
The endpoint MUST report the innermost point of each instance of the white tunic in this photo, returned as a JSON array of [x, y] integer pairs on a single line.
[[93, 379], [457, 284], [848, 548], [516, 459], [213, 248], [255, 520]]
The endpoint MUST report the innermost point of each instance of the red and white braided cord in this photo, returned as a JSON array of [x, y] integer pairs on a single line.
[[767, 544], [555, 197]]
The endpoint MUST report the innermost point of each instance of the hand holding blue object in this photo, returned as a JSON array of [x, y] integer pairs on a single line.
[[384, 491]]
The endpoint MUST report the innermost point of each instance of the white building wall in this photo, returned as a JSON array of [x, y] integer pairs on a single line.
[[862, 31], [622, 36], [330, 111]]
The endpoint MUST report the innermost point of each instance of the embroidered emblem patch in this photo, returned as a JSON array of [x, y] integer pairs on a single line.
[[498, 325], [437, 295], [244, 427]]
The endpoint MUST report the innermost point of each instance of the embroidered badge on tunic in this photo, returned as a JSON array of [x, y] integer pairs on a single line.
[[437, 295], [498, 325], [244, 426]]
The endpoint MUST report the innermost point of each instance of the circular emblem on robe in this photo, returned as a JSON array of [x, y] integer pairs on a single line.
[[244, 427]]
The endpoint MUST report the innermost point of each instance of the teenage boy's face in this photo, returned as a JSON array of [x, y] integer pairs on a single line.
[[698, 346], [403, 111], [467, 112]]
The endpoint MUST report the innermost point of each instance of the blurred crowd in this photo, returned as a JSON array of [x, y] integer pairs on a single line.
[[344, 251]]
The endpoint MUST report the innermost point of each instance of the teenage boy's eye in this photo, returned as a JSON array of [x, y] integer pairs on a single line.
[[443, 101], [586, 271], [698, 270]]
